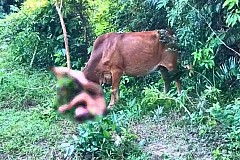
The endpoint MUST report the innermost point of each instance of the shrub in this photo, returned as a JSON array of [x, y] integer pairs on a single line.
[[34, 34], [103, 138], [224, 120]]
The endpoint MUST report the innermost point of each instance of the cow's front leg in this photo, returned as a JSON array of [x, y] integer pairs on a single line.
[[116, 75]]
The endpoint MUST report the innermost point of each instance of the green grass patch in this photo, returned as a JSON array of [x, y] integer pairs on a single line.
[[29, 127], [29, 132], [21, 88]]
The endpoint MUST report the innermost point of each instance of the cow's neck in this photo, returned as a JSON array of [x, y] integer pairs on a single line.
[[90, 72]]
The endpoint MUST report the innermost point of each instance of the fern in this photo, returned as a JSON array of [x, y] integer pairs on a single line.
[[162, 3], [232, 36], [230, 70], [233, 15]]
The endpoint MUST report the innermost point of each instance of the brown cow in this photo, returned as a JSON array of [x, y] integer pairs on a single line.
[[133, 54]]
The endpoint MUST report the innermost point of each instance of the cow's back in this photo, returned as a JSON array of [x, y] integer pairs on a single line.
[[139, 51]]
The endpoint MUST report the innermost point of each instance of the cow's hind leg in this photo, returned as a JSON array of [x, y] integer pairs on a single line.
[[116, 75], [177, 81], [166, 78], [178, 84]]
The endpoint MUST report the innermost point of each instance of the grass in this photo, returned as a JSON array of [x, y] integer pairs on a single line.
[[28, 133], [29, 126]]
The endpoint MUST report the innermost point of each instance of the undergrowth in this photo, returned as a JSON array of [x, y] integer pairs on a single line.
[[31, 128]]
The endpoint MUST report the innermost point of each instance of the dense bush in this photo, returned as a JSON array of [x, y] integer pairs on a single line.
[[221, 127], [104, 138], [9, 6], [34, 34], [139, 15]]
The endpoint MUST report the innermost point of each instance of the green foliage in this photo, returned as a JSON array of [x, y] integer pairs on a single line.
[[137, 15], [153, 98], [233, 16], [228, 74], [21, 89], [103, 138], [99, 15], [109, 16], [9, 6], [29, 126], [205, 31], [34, 34], [200, 30], [227, 120], [204, 57], [218, 123], [27, 98], [230, 4]]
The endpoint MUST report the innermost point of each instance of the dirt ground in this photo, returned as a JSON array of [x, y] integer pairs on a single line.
[[167, 139]]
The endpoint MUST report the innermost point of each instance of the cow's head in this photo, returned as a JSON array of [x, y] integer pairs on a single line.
[[91, 73]]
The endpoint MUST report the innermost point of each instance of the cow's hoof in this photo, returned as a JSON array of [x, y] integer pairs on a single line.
[[180, 93], [110, 106]]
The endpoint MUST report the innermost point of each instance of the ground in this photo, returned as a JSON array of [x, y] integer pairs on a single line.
[[166, 139]]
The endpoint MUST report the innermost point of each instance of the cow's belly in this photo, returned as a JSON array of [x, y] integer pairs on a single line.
[[140, 69]]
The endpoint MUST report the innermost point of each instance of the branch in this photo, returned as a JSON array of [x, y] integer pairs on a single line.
[[34, 54], [214, 31], [60, 5], [64, 34]]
